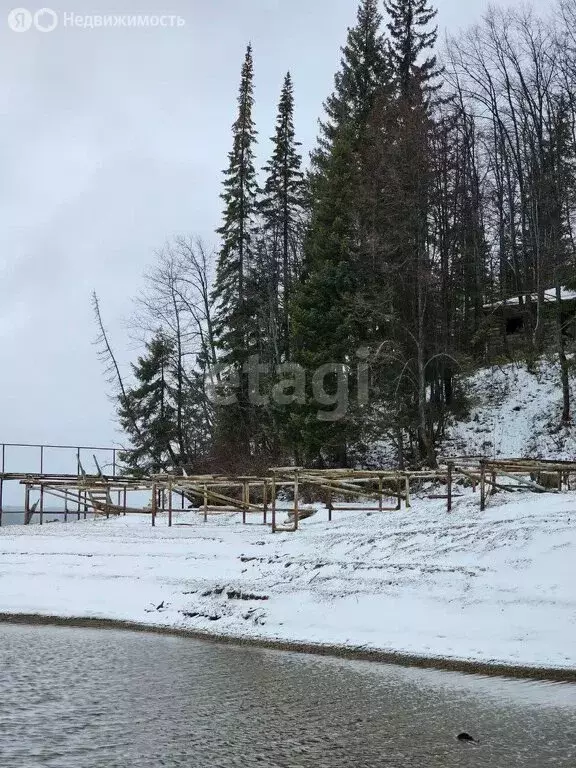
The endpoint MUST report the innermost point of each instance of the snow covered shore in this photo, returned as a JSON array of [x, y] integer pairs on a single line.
[[494, 587]]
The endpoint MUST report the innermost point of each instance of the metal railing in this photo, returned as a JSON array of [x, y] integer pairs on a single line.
[[39, 454], [44, 448]]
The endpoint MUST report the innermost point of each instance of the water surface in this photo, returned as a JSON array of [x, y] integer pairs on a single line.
[[88, 698], [16, 516]]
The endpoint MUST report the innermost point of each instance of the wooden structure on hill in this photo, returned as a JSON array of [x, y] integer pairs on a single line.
[[508, 325]]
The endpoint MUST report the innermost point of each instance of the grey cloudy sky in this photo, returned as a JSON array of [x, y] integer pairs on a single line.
[[113, 141]]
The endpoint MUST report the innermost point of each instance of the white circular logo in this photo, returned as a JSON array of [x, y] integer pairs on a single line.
[[20, 20], [45, 20]]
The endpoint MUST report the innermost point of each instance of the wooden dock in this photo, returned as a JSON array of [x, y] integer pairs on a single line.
[[340, 490]]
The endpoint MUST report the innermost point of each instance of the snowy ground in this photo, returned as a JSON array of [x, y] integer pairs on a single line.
[[492, 586], [515, 414]]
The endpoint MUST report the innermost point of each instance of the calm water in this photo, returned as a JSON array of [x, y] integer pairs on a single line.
[[11, 516], [107, 699]]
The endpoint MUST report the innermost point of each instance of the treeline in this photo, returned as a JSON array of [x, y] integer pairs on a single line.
[[345, 297]]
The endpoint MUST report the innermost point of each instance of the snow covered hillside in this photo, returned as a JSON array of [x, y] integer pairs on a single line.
[[492, 586], [514, 414]]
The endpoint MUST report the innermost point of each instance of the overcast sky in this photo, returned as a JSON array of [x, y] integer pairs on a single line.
[[113, 140]]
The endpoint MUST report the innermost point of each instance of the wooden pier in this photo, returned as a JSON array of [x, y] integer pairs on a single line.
[[253, 497]]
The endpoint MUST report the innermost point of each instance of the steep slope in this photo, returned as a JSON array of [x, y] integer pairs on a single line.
[[514, 413]]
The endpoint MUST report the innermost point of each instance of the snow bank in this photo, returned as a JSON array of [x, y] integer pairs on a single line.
[[490, 587], [515, 414]]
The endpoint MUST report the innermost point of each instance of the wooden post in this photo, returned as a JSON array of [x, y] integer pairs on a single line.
[[27, 505], [380, 492], [296, 502], [245, 499], [407, 490], [493, 477], [399, 486], [42, 505], [273, 503], [205, 504], [329, 506], [124, 499], [449, 483], [154, 504], [265, 501], [170, 506], [65, 506], [482, 486]]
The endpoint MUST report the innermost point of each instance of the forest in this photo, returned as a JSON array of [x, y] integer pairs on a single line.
[[349, 293]]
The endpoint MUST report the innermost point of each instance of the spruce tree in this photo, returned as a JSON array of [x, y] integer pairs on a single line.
[[282, 207], [326, 325], [363, 69], [237, 230], [234, 291], [329, 324], [410, 37], [404, 170], [148, 413]]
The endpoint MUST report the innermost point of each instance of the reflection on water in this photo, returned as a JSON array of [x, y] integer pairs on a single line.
[[14, 516], [110, 699]]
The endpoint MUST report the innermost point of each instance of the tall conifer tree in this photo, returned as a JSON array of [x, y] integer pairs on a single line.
[[404, 125], [328, 323], [237, 230], [282, 207], [233, 291]]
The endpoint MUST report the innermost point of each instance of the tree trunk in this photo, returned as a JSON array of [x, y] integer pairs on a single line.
[[566, 419]]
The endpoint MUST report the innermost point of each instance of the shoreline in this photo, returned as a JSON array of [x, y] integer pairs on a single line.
[[444, 664], [487, 594]]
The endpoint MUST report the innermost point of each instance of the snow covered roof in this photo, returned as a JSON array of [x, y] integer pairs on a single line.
[[549, 297]]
